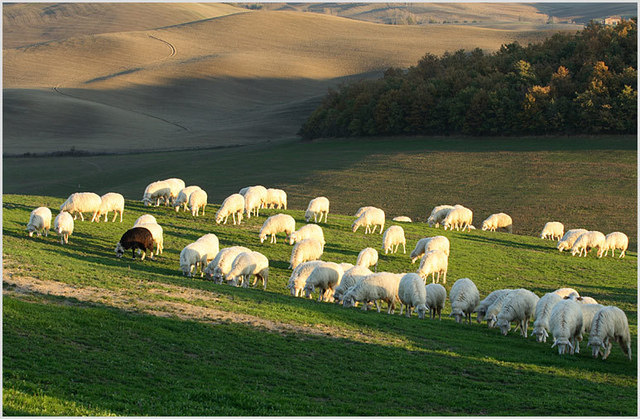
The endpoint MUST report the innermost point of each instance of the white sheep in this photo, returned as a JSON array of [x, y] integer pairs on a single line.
[[319, 205], [565, 324], [542, 315], [569, 238], [434, 261], [499, 220], [279, 223], [393, 236], [610, 323], [299, 276], [412, 293], [146, 218], [483, 305], [402, 219], [192, 256], [183, 197], [494, 308], [464, 298], [368, 257], [220, 265], [518, 307], [80, 202], [63, 225], [276, 198], [232, 205], [157, 191], [616, 240], [346, 266], [430, 243], [309, 231], [197, 200], [566, 292], [361, 211], [436, 297], [325, 277], [349, 279], [156, 232], [553, 230], [305, 250], [110, 202], [377, 286], [39, 221], [212, 246], [438, 215], [588, 241], [586, 300], [459, 218], [588, 313], [253, 200], [175, 186], [370, 216], [247, 265]]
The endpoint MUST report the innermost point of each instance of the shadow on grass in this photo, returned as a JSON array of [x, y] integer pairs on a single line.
[[503, 242]]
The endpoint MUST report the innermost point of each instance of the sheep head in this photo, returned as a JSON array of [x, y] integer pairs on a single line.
[[421, 310], [119, 250], [504, 326]]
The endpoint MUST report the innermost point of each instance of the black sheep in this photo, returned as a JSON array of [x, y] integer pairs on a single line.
[[135, 238]]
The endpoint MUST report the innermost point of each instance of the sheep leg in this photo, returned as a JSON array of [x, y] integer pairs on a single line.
[[402, 309], [404, 249], [366, 229], [378, 305], [81, 216]]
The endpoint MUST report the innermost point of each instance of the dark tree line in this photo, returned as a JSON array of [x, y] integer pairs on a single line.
[[582, 83]]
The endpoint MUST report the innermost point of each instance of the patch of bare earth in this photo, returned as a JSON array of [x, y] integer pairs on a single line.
[[171, 304]]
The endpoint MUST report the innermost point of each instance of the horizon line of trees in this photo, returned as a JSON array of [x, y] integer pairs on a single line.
[[581, 83]]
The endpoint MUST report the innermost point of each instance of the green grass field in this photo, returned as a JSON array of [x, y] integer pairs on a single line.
[[86, 333]]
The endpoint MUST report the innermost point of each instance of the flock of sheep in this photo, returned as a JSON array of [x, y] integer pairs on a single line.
[[563, 313]]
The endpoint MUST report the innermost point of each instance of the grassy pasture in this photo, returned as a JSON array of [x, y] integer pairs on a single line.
[[86, 333]]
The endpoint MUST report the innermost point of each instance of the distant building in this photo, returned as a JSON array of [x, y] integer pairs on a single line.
[[612, 20]]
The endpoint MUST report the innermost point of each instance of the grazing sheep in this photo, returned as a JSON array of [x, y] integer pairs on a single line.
[[247, 265], [39, 221], [370, 216], [362, 210], [135, 238], [220, 265], [80, 202], [434, 261], [156, 233], [566, 292], [542, 315], [436, 297], [299, 276], [464, 297], [569, 238], [277, 224], [232, 205], [183, 197], [616, 240], [459, 218], [146, 218], [588, 241], [253, 200], [438, 215], [588, 313], [430, 243], [305, 250], [175, 186], [63, 225], [309, 231], [553, 230], [326, 277], [157, 191], [499, 220], [212, 244], [319, 205], [193, 256], [377, 286], [565, 324], [349, 279], [412, 293], [393, 236], [494, 308], [518, 307], [483, 306], [110, 202], [276, 198], [402, 219], [368, 257], [609, 323], [197, 200]]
